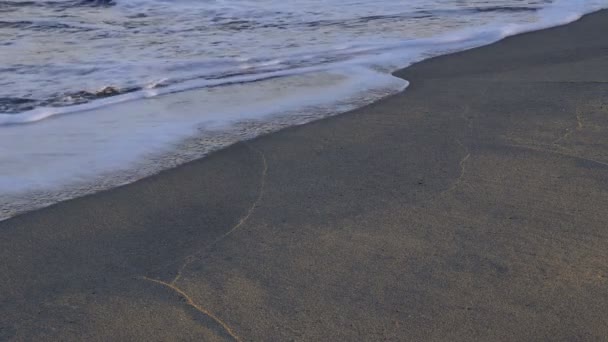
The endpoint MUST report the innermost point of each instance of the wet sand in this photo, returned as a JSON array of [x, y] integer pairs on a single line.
[[473, 206]]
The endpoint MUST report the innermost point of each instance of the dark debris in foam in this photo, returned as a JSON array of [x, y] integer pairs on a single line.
[[508, 9], [16, 105], [84, 96]]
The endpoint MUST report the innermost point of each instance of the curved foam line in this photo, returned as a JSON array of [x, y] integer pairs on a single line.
[[559, 13]]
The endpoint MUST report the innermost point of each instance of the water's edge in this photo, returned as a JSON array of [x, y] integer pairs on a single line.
[[205, 141]]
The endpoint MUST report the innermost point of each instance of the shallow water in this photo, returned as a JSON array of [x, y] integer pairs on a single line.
[[57, 53], [149, 84]]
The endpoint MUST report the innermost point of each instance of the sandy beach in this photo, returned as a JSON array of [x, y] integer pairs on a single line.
[[471, 207]]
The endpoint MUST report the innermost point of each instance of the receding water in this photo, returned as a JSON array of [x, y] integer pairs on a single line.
[[96, 93]]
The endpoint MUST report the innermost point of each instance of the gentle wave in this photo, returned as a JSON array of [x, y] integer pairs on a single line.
[[230, 71], [120, 133], [79, 47]]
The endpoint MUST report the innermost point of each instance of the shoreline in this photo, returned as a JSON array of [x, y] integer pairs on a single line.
[[184, 149], [81, 173], [468, 207]]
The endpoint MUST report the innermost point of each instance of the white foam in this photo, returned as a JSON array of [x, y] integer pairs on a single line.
[[46, 156], [390, 54], [74, 148]]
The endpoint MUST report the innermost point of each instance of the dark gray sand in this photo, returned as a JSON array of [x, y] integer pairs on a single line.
[[474, 206]]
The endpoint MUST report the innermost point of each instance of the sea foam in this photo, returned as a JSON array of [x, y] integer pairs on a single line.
[[52, 153]]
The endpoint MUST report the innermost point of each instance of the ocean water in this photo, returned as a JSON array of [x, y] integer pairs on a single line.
[[94, 94]]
